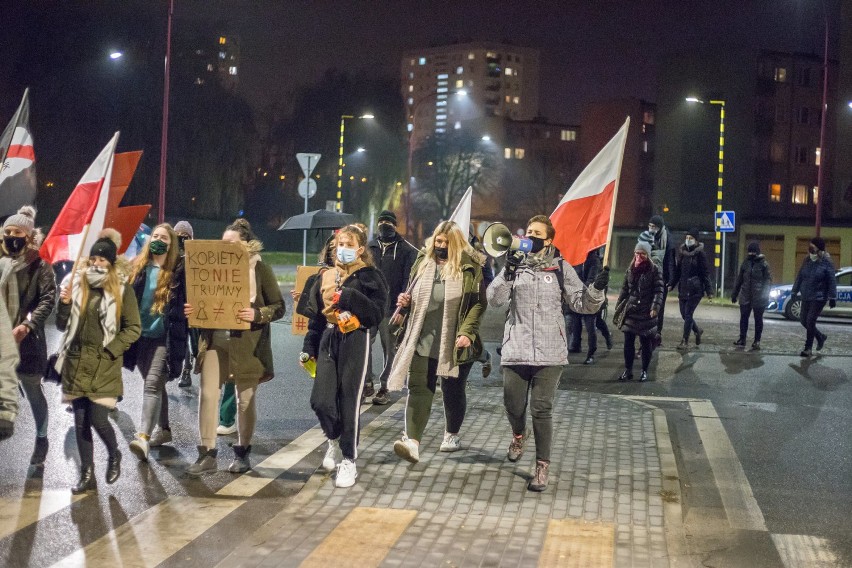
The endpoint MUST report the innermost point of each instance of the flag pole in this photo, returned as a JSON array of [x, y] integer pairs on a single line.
[[615, 194]]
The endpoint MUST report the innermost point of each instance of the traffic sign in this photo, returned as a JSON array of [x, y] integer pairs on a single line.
[[725, 221], [308, 161], [307, 188]]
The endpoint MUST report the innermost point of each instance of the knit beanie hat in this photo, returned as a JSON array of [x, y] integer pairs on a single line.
[[184, 227], [107, 245], [693, 232], [657, 220], [642, 245], [388, 216], [754, 247], [819, 243], [23, 219]]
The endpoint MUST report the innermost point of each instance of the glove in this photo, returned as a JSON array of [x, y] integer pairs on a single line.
[[832, 303], [513, 261], [602, 279], [6, 429], [733, 299]]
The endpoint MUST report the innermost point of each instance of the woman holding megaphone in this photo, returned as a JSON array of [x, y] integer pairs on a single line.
[[535, 350], [443, 308]]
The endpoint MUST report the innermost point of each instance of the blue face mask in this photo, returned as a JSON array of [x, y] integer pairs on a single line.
[[346, 255]]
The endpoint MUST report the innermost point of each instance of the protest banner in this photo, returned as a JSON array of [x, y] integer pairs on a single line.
[[217, 283], [300, 323]]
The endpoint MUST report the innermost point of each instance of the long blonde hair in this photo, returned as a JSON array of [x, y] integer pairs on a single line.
[[164, 279], [456, 245]]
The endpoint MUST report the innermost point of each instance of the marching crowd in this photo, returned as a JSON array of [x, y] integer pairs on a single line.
[[425, 305]]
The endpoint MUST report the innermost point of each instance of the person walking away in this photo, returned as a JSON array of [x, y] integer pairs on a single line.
[[487, 278], [444, 309], [184, 232], [817, 284], [394, 257], [637, 308], [692, 279], [100, 318], [663, 254], [346, 302], [29, 293], [588, 272], [243, 357], [159, 282], [535, 348], [751, 289]]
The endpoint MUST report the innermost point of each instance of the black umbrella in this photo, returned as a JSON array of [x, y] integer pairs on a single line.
[[319, 219]]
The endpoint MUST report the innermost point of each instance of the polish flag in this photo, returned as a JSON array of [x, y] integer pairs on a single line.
[[583, 219], [83, 215], [126, 220], [461, 216], [17, 161]]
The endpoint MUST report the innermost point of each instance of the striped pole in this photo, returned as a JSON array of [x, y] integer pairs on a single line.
[[719, 189], [339, 206]]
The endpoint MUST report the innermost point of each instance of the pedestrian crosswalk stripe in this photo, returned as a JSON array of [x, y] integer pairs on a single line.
[[572, 543], [366, 534], [19, 512], [802, 550]]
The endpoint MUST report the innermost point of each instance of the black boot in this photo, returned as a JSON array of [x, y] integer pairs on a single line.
[[185, 379], [113, 468], [40, 451], [87, 481], [241, 462]]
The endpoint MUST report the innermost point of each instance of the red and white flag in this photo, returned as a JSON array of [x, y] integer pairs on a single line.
[[583, 219], [17, 161], [82, 217]]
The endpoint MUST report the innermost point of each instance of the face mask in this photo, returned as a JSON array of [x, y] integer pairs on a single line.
[[537, 244], [386, 232], [346, 255], [158, 247], [441, 253], [182, 241], [814, 256], [653, 230], [690, 242], [14, 245]]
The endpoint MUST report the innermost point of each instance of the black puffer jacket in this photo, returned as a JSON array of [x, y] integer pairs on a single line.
[[753, 282], [816, 281], [643, 289], [691, 274]]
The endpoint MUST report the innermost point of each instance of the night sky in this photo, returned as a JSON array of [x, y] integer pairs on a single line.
[[590, 49]]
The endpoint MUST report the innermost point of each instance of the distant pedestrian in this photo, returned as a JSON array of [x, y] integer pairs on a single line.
[[588, 272], [751, 289], [347, 302], [30, 295], [184, 233], [394, 256], [100, 318], [817, 284], [444, 309], [637, 308], [691, 276], [535, 350], [663, 254]]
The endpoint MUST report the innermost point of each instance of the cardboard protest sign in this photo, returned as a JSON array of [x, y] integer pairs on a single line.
[[300, 323], [217, 283]]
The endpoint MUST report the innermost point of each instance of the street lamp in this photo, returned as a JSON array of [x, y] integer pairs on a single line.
[[164, 142], [115, 55], [339, 206], [822, 152], [719, 265]]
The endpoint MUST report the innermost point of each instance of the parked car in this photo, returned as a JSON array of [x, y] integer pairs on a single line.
[[779, 298]]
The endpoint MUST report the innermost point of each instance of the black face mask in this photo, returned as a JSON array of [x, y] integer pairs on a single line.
[[14, 245], [181, 240], [537, 244], [441, 253], [386, 232]]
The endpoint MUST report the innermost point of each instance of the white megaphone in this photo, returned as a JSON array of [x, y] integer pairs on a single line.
[[498, 239]]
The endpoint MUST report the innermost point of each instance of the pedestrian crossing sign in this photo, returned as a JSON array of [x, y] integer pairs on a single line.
[[725, 221]]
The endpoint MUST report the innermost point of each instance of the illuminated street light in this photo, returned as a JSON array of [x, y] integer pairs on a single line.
[[361, 149], [116, 55], [486, 138]]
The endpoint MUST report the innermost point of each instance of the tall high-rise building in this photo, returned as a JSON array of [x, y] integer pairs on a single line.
[[466, 85], [203, 59]]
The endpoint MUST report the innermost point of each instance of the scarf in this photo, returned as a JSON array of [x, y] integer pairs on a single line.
[[421, 292], [107, 312], [332, 280], [10, 287], [541, 260]]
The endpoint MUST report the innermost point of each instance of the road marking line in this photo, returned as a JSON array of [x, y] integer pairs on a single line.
[[153, 536], [802, 550], [740, 505], [660, 398], [571, 543], [366, 535], [676, 540], [32, 507]]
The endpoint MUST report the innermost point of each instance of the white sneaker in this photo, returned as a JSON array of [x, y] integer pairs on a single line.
[[333, 455], [451, 443], [407, 449], [346, 474], [226, 430], [160, 437], [139, 447]]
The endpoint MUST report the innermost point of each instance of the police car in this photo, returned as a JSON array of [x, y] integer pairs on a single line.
[[779, 298]]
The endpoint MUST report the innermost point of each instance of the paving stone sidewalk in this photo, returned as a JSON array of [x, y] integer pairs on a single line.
[[472, 506]]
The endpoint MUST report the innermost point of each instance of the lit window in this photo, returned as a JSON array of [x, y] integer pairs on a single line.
[[491, 54], [459, 84], [210, 67], [411, 75], [410, 127], [442, 89], [516, 100], [507, 153], [412, 62], [645, 146], [410, 100], [508, 98], [443, 76], [232, 70], [800, 194], [411, 88], [442, 96], [816, 158], [459, 70], [441, 103], [422, 61], [508, 70], [568, 135], [440, 122], [780, 75], [441, 116], [519, 153], [457, 125], [221, 55], [440, 130], [775, 192], [815, 193], [470, 83], [222, 40]]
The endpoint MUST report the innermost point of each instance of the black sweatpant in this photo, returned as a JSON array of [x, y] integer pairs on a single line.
[[687, 312], [336, 394], [811, 309], [745, 311], [630, 350], [88, 415]]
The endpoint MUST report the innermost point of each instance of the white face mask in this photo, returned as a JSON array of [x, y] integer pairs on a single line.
[[814, 256], [690, 242]]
